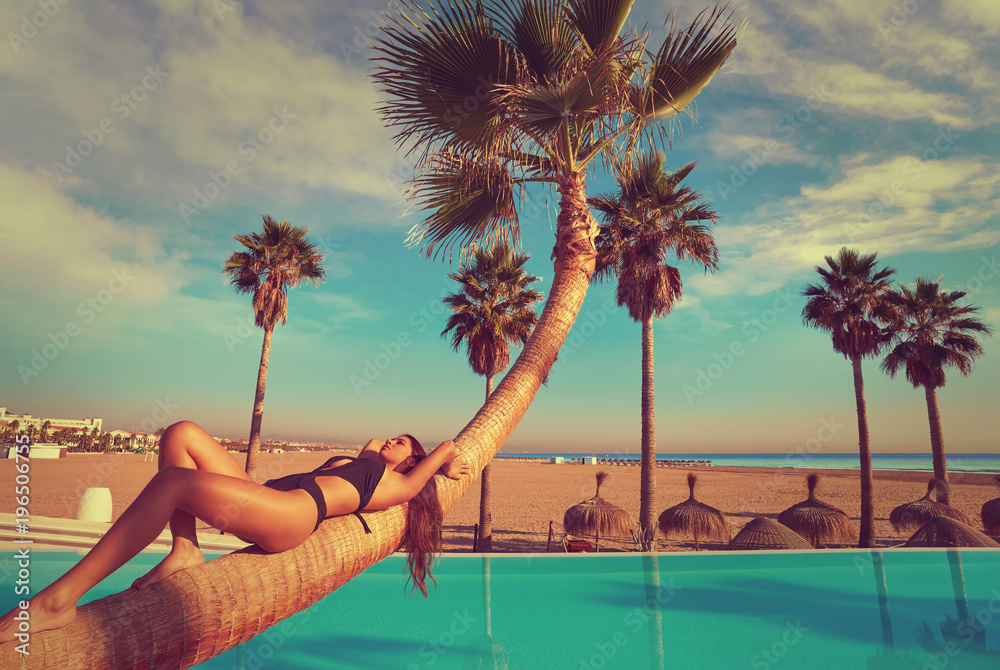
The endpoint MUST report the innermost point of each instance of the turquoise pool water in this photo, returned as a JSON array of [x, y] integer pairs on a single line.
[[838, 609]]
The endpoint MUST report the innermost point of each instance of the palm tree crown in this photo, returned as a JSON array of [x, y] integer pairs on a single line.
[[493, 307], [650, 215], [276, 259], [934, 332], [499, 94], [852, 303]]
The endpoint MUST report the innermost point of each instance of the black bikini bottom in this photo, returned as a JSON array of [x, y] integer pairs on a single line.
[[307, 482]]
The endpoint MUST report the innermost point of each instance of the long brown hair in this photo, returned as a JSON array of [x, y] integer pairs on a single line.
[[424, 517]]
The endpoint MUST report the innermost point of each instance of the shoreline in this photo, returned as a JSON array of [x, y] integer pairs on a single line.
[[527, 495]]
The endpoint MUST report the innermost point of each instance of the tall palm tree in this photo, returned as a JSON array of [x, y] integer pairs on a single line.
[[276, 259], [491, 310], [43, 435], [933, 332], [852, 304], [497, 95], [649, 215], [495, 99]]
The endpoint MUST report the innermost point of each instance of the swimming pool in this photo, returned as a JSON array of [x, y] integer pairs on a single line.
[[831, 609]]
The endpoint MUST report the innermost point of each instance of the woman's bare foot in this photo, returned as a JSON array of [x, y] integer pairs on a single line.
[[45, 612], [181, 557]]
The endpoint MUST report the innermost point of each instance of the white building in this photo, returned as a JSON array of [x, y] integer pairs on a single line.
[[25, 420], [129, 439]]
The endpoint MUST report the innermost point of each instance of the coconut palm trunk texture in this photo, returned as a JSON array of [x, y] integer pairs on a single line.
[[206, 610], [485, 543], [866, 537], [937, 444], [253, 444], [647, 483]]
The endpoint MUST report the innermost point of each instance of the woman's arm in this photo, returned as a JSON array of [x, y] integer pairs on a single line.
[[373, 446], [443, 456]]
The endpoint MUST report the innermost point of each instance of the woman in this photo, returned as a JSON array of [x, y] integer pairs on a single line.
[[197, 477]]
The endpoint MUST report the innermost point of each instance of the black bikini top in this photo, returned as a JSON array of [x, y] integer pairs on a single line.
[[364, 474]]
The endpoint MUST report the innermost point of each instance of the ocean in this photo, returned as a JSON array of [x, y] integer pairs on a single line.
[[820, 461]]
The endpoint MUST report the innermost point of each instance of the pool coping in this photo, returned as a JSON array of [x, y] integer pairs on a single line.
[[61, 533]]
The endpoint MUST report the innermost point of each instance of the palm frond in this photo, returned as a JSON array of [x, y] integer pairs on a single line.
[[933, 333], [598, 22], [686, 61], [276, 259], [853, 304], [492, 309], [441, 67], [471, 202], [539, 33], [648, 215]]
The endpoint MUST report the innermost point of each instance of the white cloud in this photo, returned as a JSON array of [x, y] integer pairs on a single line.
[[790, 48], [223, 74], [896, 205]]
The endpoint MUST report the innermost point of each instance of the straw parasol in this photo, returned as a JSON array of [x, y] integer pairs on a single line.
[[768, 534], [596, 516], [991, 514], [917, 513], [695, 518], [817, 521], [943, 531]]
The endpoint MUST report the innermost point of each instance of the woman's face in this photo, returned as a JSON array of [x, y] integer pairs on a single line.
[[395, 451]]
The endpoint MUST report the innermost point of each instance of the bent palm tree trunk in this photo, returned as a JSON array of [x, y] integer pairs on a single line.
[[866, 539], [201, 612]]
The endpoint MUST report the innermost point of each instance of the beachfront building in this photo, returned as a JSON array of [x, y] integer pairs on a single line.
[[128, 440], [55, 425]]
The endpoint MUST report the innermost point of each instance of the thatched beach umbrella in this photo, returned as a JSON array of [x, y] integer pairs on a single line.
[[767, 535], [597, 516], [695, 518], [817, 521], [991, 514], [917, 513], [943, 531]]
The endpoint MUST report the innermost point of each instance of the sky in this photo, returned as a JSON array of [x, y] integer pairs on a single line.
[[138, 138]]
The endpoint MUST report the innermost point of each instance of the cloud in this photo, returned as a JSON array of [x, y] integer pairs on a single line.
[[789, 48], [895, 205], [764, 136], [343, 309], [232, 91]]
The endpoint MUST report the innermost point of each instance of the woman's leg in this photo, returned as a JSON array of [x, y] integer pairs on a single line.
[[276, 520], [188, 445]]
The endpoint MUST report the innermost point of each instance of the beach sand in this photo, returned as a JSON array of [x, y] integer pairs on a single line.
[[528, 495]]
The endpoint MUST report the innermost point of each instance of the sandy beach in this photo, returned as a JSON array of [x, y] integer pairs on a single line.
[[528, 495]]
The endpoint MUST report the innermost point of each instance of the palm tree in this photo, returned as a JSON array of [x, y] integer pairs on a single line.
[[852, 303], [534, 90], [490, 311], [649, 215], [44, 434], [933, 332], [498, 95], [276, 259]]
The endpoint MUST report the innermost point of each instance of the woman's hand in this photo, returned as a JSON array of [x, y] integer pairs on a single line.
[[455, 469]]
